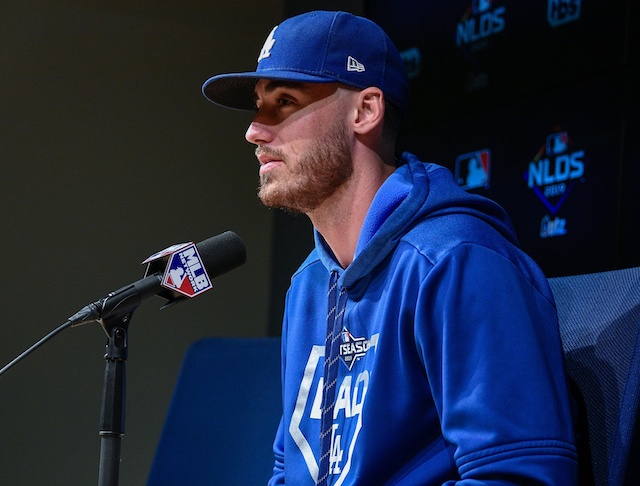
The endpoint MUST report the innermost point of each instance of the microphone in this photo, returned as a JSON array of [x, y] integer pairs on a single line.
[[176, 273]]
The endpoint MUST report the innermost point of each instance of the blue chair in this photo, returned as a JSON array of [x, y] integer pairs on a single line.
[[223, 415], [599, 317]]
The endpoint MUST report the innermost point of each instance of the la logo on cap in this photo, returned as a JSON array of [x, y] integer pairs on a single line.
[[268, 45]]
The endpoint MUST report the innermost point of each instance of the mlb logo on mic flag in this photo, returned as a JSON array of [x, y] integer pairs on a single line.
[[185, 272]]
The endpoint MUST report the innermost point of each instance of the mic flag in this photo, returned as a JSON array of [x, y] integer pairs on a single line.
[[184, 270]]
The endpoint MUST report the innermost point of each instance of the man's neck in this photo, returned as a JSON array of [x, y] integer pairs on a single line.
[[339, 220]]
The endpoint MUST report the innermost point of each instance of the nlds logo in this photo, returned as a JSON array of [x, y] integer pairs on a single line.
[[560, 12], [473, 170], [552, 169], [479, 22], [553, 173]]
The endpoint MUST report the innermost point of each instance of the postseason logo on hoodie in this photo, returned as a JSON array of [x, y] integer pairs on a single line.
[[353, 348]]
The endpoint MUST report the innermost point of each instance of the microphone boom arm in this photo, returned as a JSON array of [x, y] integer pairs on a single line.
[[118, 305]]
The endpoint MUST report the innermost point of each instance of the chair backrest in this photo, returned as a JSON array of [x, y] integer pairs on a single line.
[[223, 415], [599, 317]]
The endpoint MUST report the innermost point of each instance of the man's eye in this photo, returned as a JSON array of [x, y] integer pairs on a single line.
[[283, 101]]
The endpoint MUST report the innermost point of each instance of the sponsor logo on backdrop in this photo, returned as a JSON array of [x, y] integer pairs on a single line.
[[552, 175], [473, 170], [560, 12]]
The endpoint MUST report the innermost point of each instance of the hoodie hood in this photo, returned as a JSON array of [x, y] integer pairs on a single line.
[[416, 191]]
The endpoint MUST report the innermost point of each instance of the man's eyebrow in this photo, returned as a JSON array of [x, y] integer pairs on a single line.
[[275, 84]]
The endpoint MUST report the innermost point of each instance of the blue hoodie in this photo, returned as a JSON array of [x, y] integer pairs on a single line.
[[451, 363]]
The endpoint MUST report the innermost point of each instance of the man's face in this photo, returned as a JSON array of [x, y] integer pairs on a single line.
[[303, 144]]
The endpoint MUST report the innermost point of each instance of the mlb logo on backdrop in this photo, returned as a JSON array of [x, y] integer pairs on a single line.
[[473, 170], [557, 143]]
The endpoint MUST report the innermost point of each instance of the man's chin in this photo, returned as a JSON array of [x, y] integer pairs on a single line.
[[274, 200]]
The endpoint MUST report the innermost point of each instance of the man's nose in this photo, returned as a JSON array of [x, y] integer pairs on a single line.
[[259, 133]]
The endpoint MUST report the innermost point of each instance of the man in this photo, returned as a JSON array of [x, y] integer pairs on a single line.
[[420, 345]]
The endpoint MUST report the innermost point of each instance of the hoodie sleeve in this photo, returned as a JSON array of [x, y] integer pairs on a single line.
[[487, 332]]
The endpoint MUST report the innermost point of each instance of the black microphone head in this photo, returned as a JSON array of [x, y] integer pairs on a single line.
[[222, 253]]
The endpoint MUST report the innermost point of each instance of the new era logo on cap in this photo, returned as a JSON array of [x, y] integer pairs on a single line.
[[354, 65]]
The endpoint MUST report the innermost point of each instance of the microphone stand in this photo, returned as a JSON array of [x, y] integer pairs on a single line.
[[113, 403], [115, 311]]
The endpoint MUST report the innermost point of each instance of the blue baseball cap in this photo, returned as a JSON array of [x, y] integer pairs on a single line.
[[319, 47]]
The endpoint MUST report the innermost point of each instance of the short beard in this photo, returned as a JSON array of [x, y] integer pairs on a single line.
[[315, 177]]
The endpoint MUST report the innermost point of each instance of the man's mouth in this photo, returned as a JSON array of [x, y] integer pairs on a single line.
[[268, 161]]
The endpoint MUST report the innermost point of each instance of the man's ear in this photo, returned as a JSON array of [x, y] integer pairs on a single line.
[[370, 110]]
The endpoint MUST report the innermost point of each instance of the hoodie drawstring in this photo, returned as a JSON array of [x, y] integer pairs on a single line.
[[335, 314]]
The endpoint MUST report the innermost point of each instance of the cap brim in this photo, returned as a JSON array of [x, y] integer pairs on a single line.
[[237, 90]]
